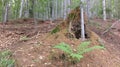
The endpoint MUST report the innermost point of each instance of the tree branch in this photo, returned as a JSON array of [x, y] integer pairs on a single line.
[[110, 27]]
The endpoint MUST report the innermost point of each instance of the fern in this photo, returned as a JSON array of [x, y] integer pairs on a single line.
[[5, 54], [68, 50], [5, 60], [64, 47], [89, 49], [82, 48], [76, 56]]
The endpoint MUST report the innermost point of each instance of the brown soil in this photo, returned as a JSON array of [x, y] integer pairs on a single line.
[[36, 50]]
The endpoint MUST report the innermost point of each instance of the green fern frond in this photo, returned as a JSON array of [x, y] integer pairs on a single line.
[[83, 45], [90, 49], [76, 56], [5, 53], [82, 48], [7, 62], [64, 47], [5, 59]]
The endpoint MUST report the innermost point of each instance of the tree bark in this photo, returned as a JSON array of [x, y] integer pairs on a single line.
[[104, 10], [82, 22], [65, 9], [21, 8], [6, 13]]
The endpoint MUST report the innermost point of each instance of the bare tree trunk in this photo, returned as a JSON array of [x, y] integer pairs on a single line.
[[21, 8], [31, 10], [6, 13], [56, 15], [104, 10], [88, 10], [65, 9], [62, 8], [68, 1], [53, 11], [82, 21], [2, 15], [47, 11], [35, 14], [27, 10]]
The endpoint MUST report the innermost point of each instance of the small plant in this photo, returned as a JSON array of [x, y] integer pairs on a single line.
[[24, 38], [80, 50], [55, 30], [5, 59]]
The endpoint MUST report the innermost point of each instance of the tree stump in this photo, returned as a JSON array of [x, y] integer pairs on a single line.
[[72, 25]]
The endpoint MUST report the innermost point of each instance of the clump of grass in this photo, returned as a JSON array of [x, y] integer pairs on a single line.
[[6, 60]]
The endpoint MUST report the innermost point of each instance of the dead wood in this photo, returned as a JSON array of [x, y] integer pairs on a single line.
[[107, 30]]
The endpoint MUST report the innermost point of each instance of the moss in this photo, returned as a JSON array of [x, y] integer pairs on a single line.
[[57, 29]]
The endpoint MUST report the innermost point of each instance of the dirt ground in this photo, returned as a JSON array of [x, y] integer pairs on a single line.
[[31, 45]]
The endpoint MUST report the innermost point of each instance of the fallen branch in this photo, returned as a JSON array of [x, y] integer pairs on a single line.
[[111, 27]]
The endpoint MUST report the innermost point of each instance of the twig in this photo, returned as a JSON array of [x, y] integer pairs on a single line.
[[111, 27]]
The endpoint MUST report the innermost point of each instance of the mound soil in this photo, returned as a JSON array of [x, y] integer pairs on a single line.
[[72, 24], [35, 51]]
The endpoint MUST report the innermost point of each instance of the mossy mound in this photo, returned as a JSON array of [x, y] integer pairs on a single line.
[[72, 24], [71, 28]]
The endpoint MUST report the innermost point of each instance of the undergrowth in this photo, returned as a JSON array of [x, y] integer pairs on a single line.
[[5, 59], [55, 30], [75, 56]]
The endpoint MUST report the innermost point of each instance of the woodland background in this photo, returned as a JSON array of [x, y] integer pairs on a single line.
[[54, 9]]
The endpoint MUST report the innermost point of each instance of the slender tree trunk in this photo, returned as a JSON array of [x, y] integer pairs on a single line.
[[65, 9], [6, 13], [88, 10], [21, 8], [2, 16], [62, 8], [26, 10], [82, 21], [47, 11], [104, 10], [53, 11], [68, 1], [49, 15], [31, 10], [35, 14], [117, 10]]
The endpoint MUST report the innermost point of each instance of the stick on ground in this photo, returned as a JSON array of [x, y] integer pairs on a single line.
[[110, 27]]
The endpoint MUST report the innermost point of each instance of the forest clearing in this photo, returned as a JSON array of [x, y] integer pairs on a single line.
[[59, 39]]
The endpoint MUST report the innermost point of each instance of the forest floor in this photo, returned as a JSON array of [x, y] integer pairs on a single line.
[[31, 48]]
